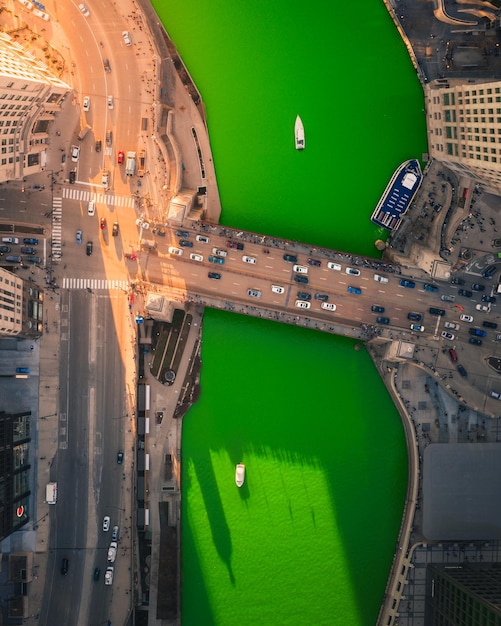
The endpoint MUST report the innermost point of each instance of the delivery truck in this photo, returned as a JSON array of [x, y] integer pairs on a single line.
[[51, 493], [130, 167], [141, 162]]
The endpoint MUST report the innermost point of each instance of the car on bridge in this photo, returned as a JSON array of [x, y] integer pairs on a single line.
[[277, 289], [407, 283], [446, 335], [235, 245], [219, 252], [249, 259], [301, 304], [355, 290], [301, 279], [429, 287], [417, 328], [380, 279], [334, 266], [416, 317], [375, 308], [216, 259], [352, 271], [290, 258], [383, 320], [214, 275], [202, 239], [302, 295], [478, 287], [465, 292], [314, 262], [300, 269], [255, 293]]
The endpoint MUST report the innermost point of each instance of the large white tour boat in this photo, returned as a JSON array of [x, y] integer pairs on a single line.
[[299, 133], [240, 474]]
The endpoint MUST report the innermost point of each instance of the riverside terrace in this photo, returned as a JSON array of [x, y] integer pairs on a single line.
[[370, 301]]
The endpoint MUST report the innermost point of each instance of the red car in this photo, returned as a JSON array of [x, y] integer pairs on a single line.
[[120, 157], [103, 223]]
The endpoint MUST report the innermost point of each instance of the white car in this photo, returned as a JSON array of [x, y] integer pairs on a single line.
[[105, 179], [84, 9], [27, 4], [86, 103], [91, 208], [302, 304], [277, 289], [334, 266], [249, 259], [380, 279], [417, 327], [110, 102], [328, 306], [112, 551], [106, 523], [174, 250], [108, 576], [219, 252], [41, 15], [127, 38], [75, 153], [447, 335], [202, 239], [483, 307], [300, 269], [352, 271], [466, 318], [255, 293], [196, 257], [451, 325]]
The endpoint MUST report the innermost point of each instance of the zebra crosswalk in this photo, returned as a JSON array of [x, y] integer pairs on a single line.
[[95, 283], [83, 195], [57, 216]]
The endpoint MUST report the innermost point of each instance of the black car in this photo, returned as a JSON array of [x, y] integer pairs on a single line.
[[30, 241], [89, 248], [120, 457], [314, 262], [475, 341], [478, 287], [99, 145], [377, 309], [487, 324], [214, 275], [97, 573], [462, 371], [27, 250], [465, 293], [302, 295], [435, 311], [491, 299], [184, 243], [429, 287], [489, 271], [415, 317], [301, 279], [290, 258], [114, 232], [457, 281], [65, 564], [4, 249], [107, 66], [183, 234], [321, 296], [72, 177], [383, 320]]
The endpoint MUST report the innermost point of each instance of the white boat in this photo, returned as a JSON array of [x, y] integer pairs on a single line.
[[299, 133], [240, 474]]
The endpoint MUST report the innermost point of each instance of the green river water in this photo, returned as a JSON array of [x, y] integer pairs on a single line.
[[309, 538]]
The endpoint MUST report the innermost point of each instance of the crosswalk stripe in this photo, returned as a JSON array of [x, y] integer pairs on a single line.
[[100, 197], [95, 283]]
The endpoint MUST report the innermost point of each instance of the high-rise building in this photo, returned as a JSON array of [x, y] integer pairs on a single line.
[[14, 471], [463, 595], [30, 96], [21, 306], [464, 128]]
